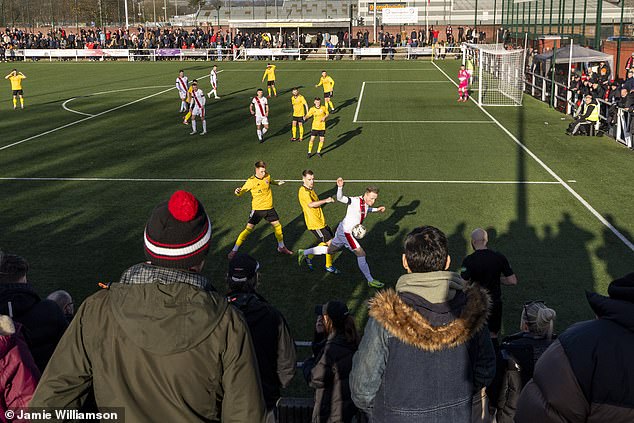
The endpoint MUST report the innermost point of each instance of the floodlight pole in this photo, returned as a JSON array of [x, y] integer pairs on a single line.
[[374, 21], [127, 22], [568, 94], [618, 45], [554, 72], [165, 10]]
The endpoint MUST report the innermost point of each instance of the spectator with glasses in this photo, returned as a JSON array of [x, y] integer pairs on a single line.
[[518, 354]]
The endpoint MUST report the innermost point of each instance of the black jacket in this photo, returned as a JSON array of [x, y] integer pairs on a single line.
[[586, 375], [42, 320], [274, 346], [329, 373]]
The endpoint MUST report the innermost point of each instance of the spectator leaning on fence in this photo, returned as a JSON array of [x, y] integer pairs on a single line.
[[160, 342], [426, 349]]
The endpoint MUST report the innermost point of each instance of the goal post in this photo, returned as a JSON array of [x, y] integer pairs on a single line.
[[497, 73]]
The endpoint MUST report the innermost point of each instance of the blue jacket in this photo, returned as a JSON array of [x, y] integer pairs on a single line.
[[422, 360]]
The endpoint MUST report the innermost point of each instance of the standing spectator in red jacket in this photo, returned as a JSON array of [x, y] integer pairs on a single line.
[[19, 375]]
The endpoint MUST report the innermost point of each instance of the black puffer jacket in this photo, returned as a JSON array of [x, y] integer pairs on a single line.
[[328, 372], [42, 320], [586, 375]]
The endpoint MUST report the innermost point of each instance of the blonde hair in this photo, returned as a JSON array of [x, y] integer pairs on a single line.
[[539, 319]]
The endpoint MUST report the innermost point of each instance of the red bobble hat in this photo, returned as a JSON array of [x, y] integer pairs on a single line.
[[178, 232]]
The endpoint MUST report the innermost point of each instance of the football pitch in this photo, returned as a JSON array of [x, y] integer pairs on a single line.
[[100, 144]]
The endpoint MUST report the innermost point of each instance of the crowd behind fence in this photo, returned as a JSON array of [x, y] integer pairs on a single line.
[[615, 115]]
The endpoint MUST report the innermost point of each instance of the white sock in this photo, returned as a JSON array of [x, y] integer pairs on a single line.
[[280, 244], [260, 135], [264, 130], [183, 106], [318, 251], [205, 125], [194, 125], [365, 269], [214, 93]]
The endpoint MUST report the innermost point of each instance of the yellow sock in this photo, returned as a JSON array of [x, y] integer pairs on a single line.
[[278, 233], [328, 260], [321, 144], [331, 105], [188, 116], [310, 146], [243, 236], [21, 102], [274, 90], [294, 131], [301, 132], [15, 102], [269, 90]]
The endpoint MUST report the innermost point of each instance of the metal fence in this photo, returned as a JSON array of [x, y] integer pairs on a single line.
[[616, 122]]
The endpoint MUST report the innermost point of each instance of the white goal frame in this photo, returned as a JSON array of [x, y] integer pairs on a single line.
[[497, 72]]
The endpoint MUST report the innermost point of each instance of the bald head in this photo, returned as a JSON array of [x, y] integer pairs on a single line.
[[479, 238], [63, 300]]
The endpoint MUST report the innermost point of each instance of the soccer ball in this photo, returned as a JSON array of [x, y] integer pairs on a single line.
[[359, 231]]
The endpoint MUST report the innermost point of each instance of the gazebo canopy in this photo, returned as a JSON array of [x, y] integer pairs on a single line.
[[579, 55]]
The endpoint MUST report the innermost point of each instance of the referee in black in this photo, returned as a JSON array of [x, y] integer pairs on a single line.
[[490, 269]]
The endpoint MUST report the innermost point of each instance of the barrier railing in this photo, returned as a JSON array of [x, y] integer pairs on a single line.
[[565, 100], [219, 53]]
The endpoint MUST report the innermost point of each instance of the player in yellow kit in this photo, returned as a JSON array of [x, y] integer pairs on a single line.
[[319, 114], [314, 217], [329, 84], [261, 207], [300, 108], [16, 86], [188, 101], [269, 74]]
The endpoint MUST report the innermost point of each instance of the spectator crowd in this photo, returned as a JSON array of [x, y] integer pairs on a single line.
[[166, 345]]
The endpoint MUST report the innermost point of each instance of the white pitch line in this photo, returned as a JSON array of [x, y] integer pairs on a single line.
[[425, 121], [552, 173], [68, 109], [407, 82], [87, 118], [356, 112], [206, 180]]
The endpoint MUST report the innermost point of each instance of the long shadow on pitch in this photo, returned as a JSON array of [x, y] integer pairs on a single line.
[[343, 138], [347, 103]]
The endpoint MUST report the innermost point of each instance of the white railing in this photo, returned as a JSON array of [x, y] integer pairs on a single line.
[[540, 87], [217, 54]]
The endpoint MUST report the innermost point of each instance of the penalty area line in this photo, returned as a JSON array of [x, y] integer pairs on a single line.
[[208, 180], [552, 173]]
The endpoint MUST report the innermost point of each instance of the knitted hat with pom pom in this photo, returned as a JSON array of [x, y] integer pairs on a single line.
[[178, 232]]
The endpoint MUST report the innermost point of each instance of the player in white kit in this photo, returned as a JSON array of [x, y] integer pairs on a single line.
[[198, 108], [358, 208], [182, 87], [259, 108], [213, 78]]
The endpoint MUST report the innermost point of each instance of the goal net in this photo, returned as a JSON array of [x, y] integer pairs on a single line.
[[498, 74]]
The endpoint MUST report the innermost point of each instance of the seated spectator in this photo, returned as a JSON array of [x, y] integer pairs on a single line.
[[64, 301], [274, 346], [42, 320], [586, 374], [426, 350], [586, 117], [160, 342], [328, 370], [518, 355], [19, 375]]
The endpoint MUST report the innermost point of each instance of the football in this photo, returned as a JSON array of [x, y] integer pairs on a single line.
[[358, 231]]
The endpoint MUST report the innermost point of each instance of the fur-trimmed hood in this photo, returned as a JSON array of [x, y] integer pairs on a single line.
[[402, 320]]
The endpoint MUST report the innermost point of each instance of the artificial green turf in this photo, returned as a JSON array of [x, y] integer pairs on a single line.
[[78, 233]]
